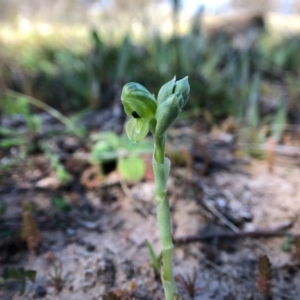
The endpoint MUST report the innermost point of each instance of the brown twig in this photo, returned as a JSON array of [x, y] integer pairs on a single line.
[[234, 228], [280, 231]]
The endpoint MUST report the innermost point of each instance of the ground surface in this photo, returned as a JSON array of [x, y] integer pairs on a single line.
[[99, 244]]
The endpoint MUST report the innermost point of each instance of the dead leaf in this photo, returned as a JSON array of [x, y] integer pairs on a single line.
[[50, 182]]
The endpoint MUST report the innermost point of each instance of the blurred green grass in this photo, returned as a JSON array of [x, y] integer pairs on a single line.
[[73, 67]]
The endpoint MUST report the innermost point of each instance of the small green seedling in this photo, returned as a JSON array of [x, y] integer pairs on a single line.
[[111, 147], [154, 258], [55, 272], [18, 274], [155, 115], [60, 204], [189, 283], [288, 243], [60, 171]]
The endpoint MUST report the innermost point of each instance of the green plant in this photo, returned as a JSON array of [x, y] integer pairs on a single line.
[[155, 260], [110, 147], [60, 204], [55, 275], [288, 243], [19, 274], [189, 283], [60, 171], [156, 115], [33, 121], [11, 138], [12, 104]]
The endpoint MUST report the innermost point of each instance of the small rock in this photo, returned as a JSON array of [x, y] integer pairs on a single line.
[[70, 232], [90, 248], [128, 268], [107, 272], [40, 292]]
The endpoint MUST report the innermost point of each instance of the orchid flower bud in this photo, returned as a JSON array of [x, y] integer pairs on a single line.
[[182, 86], [165, 91], [138, 102], [167, 112]]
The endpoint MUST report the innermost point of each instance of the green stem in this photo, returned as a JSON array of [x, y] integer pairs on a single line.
[[159, 148], [161, 168]]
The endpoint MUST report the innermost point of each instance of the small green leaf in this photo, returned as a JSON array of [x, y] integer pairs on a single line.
[[279, 123], [31, 275], [2, 209], [132, 168], [286, 246], [103, 151], [144, 146], [14, 273], [23, 286], [12, 142], [62, 174], [154, 258], [109, 137], [60, 204]]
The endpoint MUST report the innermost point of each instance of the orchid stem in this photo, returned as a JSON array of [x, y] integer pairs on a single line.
[[161, 168]]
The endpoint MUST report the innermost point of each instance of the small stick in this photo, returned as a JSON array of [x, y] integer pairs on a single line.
[[279, 231]]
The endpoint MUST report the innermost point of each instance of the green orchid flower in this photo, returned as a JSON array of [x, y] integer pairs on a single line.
[[140, 105], [138, 102]]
